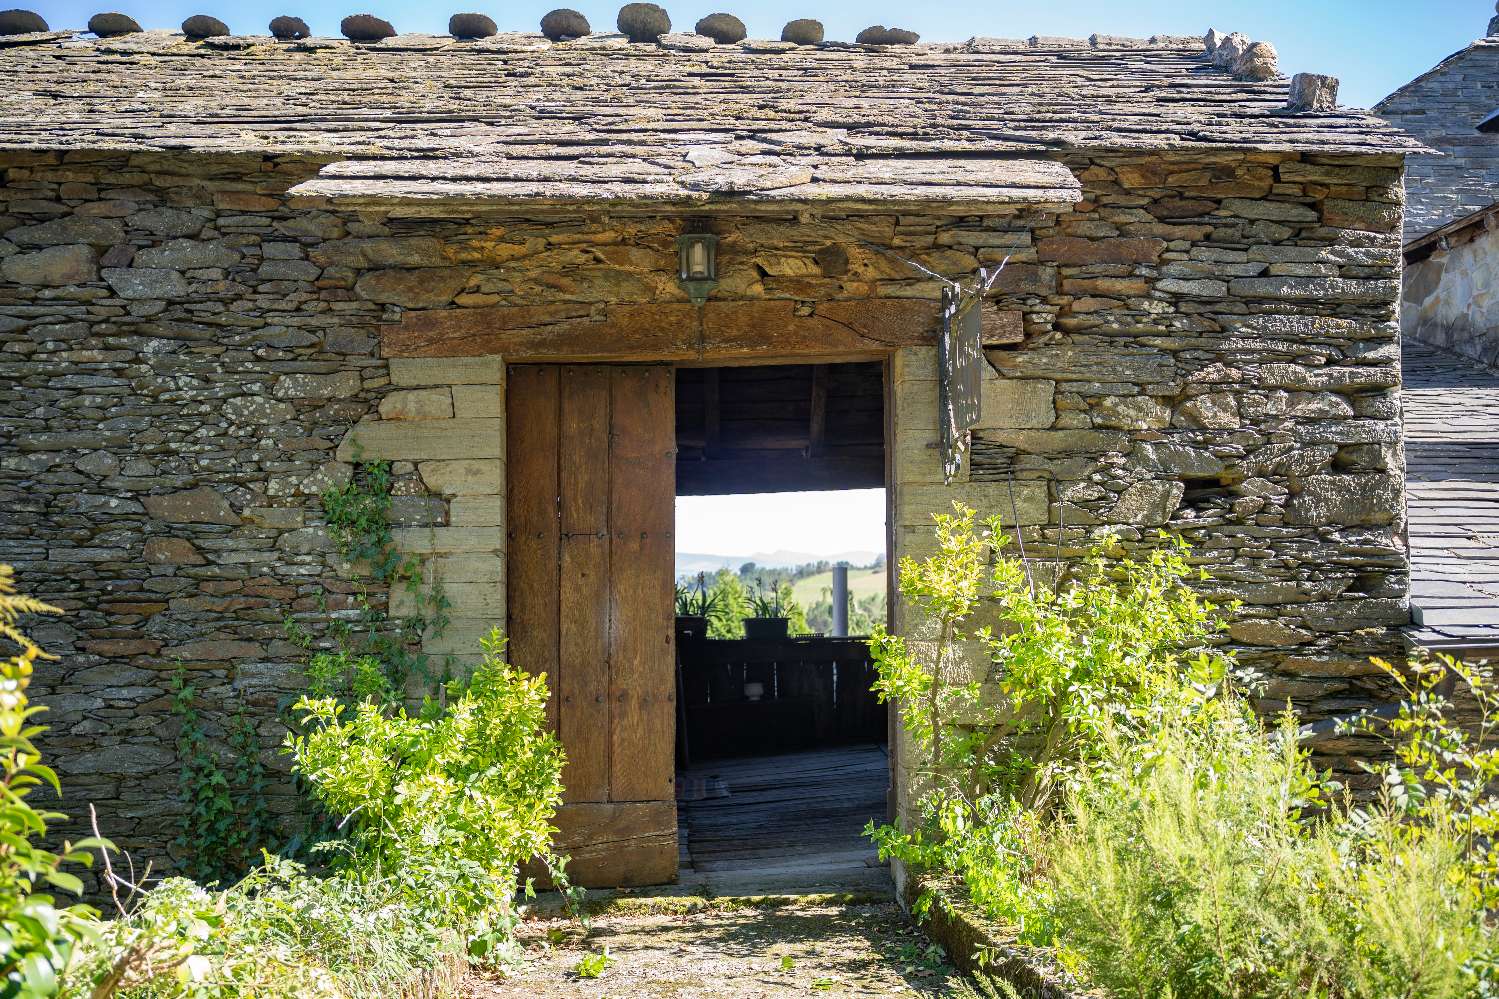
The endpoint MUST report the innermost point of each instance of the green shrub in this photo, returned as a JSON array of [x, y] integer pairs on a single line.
[[442, 809], [39, 939], [729, 607], [447, 803], [1105, 790], [439, 811], [1070, 657], [1446, 771], [1192, 862]]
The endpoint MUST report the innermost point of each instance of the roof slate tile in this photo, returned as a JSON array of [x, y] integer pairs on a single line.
[[515, 109]]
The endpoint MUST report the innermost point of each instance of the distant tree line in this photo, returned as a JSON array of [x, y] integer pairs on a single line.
[[863, 614], [756, 591]]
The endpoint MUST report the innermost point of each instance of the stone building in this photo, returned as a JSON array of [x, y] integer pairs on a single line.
[[1451, 253], [231, 266], [1451, 304]]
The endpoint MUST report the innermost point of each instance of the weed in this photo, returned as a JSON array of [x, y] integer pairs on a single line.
[[593, 965]]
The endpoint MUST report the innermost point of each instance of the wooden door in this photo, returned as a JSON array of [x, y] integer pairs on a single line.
[[591, 499]]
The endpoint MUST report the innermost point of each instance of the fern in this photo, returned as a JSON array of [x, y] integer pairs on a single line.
[[41, 938], [12, 606]]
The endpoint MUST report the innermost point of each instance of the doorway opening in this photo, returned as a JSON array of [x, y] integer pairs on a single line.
[[781, 567]]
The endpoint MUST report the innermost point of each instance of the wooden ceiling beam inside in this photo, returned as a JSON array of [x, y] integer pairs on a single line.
[[781, 428], [817, 423]]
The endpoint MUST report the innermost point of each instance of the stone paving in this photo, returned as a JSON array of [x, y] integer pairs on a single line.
[[1452, 460], [802, 947]]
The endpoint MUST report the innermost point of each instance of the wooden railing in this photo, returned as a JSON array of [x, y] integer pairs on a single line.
[[812, 692]]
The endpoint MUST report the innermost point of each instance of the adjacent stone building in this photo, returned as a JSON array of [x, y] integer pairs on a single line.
[[1451, 297], [1451, 300], [232, 265]]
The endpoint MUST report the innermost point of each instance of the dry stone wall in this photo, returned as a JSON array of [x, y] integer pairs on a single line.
[[1211, 349], [1210, 345], [178, 376], [1249, 400]]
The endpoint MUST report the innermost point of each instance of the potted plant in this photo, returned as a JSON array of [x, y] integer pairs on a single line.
[[769, 620], [694, 604]]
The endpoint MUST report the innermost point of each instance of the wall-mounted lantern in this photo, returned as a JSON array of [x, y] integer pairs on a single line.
[[697, 264]]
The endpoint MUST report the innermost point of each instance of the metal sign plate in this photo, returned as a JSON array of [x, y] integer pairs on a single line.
[[960, 374]]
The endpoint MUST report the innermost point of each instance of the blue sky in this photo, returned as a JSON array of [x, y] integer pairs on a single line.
[[816, 523], [1373, 45]]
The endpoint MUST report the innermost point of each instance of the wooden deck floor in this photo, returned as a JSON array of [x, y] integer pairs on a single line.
[[791, 824]]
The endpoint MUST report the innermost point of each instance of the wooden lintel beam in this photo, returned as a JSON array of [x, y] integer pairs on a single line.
[[723, 477], [725, 332]]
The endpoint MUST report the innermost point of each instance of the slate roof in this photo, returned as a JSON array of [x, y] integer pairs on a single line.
[[1452, 467], [1443, 108], [515, 115]]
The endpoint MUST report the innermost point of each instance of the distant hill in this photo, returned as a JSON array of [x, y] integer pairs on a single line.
[[861, 583], [691, 563]]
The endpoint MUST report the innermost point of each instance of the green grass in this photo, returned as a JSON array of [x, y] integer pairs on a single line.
[[862, 582]]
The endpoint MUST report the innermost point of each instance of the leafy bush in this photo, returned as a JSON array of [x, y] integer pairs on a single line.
[[448, 803], [1444, 770], [1200, 860], [439, 811], [730, 605], [39, 939], [1071, 656], [1105, 790]]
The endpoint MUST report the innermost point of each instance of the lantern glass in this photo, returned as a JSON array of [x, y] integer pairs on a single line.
[[697, 264], [697, 259]]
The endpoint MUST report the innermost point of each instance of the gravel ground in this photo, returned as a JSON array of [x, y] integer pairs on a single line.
[[799, 948]]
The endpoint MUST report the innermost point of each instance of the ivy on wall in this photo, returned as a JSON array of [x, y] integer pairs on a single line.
[[226, 818], [375, 656]]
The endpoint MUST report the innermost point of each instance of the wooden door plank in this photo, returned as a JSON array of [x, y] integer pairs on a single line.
[[584, 581], [641, 513], [531, 407], [618, 845], [584, 477]]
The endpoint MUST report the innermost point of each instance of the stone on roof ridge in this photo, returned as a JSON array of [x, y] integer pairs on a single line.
[[1235, 54], [983, 43], [673, 41], [517, 97]]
